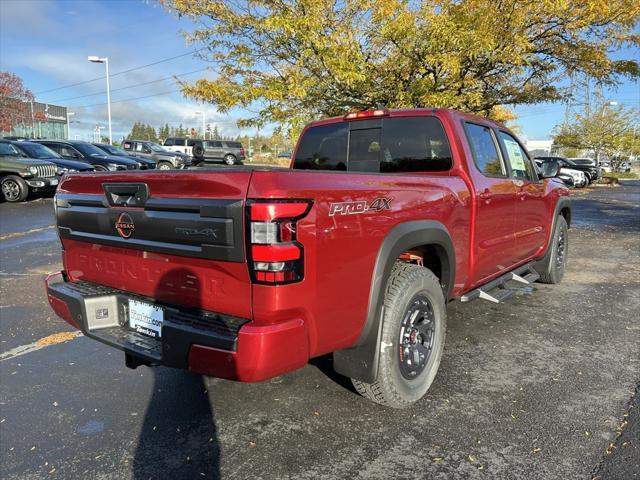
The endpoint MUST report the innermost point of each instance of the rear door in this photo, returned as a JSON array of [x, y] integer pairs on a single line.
[[531, 211], [496, 204], [213, 149], [176, 238]]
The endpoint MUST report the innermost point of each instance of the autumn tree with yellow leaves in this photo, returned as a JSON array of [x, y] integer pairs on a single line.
[[288, 61]]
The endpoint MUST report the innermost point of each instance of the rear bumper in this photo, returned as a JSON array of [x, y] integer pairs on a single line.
[[204, 342]]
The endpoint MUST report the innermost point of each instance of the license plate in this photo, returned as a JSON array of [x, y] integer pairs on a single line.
[[145, 318], [54, 181]]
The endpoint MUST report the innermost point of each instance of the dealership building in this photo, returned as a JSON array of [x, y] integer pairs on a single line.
[[42, 120]]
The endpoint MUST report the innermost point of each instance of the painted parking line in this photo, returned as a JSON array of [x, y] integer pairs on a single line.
[[47, 341], [28, 232]]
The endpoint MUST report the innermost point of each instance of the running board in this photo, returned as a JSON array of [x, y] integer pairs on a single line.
[[525, 275]]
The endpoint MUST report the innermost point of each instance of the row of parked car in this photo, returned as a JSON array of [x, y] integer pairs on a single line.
[[574, 172], [35, 165]]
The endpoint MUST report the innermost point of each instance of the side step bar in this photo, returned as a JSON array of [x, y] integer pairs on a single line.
[[524, 274]]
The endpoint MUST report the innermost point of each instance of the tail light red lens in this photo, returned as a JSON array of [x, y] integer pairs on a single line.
[[275, 254]]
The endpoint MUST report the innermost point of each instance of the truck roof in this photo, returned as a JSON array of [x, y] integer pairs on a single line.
[[410, 112]]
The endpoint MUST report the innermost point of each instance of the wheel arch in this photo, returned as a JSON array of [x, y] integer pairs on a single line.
[[428, 236]]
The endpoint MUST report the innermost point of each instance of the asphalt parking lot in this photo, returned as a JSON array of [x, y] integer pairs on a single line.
[[541, 387]]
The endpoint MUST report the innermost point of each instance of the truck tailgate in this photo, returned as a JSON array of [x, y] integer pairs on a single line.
[[176, 237]]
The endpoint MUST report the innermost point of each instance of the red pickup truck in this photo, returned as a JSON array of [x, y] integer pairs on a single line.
[[246, 273]]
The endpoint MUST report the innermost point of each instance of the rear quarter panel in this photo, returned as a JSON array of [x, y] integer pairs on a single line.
[[340, 250]]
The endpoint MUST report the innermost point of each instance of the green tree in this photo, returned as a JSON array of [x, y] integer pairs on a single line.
[[607, 130], [290, 61]]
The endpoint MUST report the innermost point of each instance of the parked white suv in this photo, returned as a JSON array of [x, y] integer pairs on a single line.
[[180, 144]]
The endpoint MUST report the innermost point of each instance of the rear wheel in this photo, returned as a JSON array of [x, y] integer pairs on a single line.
[[412, 340], [165, 166], [551, 268], [14, 189], [229, 159]]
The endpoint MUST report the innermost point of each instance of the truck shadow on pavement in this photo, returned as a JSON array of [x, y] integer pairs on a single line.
[[179, 435]]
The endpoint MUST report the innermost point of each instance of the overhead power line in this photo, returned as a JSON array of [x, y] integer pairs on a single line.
[[125, 100], [121, 72], [130, 86]]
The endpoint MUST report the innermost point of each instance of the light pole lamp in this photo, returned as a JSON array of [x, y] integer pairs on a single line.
[[69, 114], [105, 60]]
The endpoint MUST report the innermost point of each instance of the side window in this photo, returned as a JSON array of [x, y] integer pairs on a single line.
[[127, 145], [168, 142], [55, 147], [66, 151], [214, 144], [519, 162], [139, 147], [323, 148], [485, 150]]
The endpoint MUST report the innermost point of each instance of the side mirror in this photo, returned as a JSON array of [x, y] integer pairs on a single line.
[[550, 169]]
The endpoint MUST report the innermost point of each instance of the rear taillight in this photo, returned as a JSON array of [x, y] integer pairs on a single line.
[[275, 255]]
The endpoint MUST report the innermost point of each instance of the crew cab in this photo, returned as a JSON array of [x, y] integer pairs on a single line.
[[246, 273]]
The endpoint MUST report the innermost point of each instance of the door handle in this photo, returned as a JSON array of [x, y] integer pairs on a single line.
[[486, 194]]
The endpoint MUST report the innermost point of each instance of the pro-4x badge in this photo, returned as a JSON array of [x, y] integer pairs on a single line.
[[361, 206], [124, 225]]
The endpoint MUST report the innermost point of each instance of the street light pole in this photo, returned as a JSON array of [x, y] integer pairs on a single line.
[[204, 134], [105, 60], [68, 123]]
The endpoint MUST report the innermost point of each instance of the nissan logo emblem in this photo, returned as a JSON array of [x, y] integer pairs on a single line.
[[124, 225]]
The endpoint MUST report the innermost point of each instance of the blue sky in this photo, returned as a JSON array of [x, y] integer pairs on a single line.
[[46, 42]]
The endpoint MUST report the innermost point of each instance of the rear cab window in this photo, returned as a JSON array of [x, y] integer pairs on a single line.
[[127, 145], [388, 145]]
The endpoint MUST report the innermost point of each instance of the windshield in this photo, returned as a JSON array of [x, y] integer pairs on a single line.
[[115, 150], [89, 150], [8, 149], [35, 150], [155, 147]]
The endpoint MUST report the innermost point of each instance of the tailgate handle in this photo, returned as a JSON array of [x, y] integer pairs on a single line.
[[126, 194]]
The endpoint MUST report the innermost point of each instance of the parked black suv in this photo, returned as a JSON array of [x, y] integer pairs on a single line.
[[145, 163], [164, 159], [591, 172], [231, 153], [87, 153], [41, 152]]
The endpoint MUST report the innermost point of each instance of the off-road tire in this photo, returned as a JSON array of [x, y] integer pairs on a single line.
[[551, 268], [164, 166], [229, 159], [14, 189], [392, 388]]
